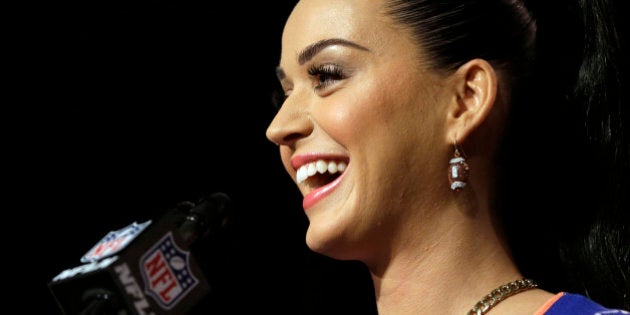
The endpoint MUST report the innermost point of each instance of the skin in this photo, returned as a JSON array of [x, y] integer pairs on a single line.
[[395, 119]]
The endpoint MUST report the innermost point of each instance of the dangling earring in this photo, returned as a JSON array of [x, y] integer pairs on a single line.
[[457, 170]]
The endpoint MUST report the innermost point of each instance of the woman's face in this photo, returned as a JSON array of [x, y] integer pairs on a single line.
[[361, 131]]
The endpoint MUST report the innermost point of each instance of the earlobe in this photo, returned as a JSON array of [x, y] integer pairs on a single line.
[[475, 85]]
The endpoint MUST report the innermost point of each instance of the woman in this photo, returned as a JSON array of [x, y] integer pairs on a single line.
[[426, 137]]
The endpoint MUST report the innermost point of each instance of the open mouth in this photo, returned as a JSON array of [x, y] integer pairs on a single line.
[[319, 173]]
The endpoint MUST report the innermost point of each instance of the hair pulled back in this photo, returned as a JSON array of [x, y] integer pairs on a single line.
[[564, 162]]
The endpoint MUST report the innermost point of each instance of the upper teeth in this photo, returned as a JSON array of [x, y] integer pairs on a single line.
[[320, 166]]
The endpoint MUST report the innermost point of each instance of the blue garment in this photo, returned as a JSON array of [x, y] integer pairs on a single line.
[[576, 304]]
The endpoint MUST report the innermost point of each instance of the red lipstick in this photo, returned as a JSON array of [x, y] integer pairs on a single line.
[[318, 194]]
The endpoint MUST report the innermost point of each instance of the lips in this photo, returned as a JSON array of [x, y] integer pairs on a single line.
[[321, 174], [318, 194]]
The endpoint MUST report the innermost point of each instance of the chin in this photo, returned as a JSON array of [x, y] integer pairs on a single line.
[[328, 244]]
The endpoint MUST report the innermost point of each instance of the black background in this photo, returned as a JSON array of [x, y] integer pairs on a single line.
[[114, 111], [118, 110]]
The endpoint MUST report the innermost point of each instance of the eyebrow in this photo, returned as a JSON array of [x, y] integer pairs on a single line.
[[310, 51]]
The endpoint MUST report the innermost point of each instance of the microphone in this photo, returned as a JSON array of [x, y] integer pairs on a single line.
[[144, 268]]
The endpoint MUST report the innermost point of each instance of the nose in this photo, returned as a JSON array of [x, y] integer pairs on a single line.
[[290, 123]]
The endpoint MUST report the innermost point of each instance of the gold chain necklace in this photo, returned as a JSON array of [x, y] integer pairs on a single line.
[[501, 293]]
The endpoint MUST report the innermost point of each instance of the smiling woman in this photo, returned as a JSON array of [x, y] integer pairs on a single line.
[[448, 119]]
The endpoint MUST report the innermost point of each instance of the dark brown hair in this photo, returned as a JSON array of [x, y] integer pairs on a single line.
[[564, 162]]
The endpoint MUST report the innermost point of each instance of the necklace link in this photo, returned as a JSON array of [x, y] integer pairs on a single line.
[[501, 293]]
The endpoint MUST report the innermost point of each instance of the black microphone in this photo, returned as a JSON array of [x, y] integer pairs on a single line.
[[145, 268]]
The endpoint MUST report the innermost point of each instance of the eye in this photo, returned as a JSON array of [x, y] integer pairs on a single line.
[[326, 75]]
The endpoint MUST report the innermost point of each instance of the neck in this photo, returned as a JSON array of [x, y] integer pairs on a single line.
[[460, 262]]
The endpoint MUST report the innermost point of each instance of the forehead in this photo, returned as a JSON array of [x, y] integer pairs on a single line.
[[361, 21]]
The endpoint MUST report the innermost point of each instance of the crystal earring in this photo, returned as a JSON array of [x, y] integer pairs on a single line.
[[457, 170]]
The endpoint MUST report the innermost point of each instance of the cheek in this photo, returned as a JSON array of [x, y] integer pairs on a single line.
[[354, 113], [379, 105], [342, 123]]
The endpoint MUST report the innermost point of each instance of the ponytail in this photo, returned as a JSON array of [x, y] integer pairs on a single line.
[[604, 109], [592, 225]]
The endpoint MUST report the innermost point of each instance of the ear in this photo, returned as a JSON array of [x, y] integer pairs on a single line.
[[475, 90]]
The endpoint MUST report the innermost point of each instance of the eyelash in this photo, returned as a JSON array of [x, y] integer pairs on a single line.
[[325, 75]]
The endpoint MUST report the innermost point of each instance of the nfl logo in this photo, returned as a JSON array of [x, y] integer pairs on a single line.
[[166, 272], [114, 242]]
